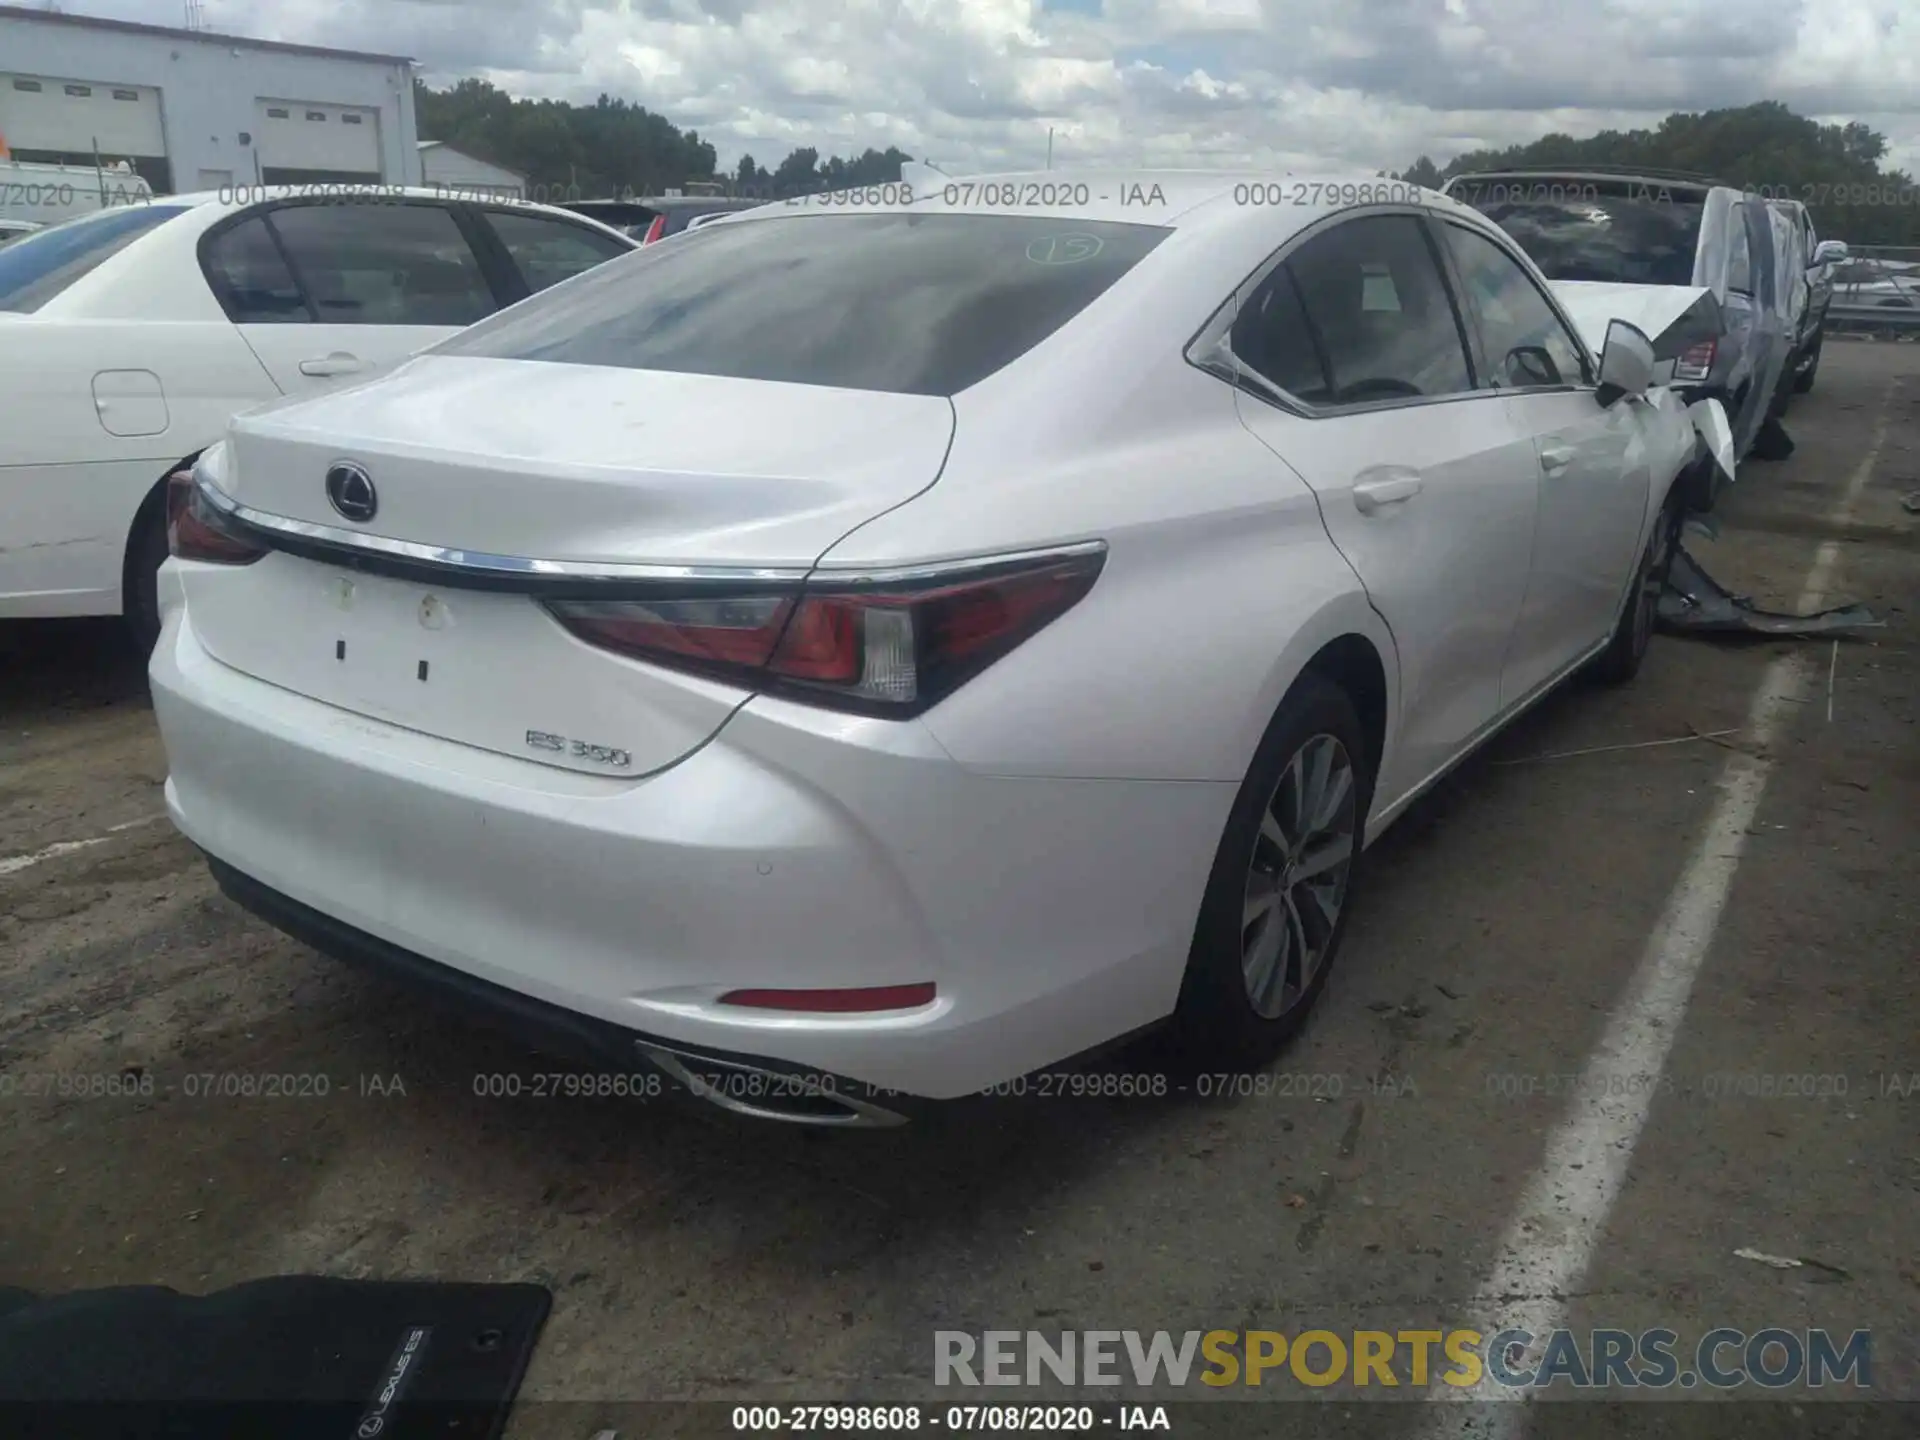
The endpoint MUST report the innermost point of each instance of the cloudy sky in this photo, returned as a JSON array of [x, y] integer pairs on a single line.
[[975, 84]]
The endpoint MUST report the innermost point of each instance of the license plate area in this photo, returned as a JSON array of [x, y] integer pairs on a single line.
[[489, 669], [390, 646], [445, 662]]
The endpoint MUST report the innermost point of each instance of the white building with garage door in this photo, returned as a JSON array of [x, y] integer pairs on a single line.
[[197, 111], [444, 167]]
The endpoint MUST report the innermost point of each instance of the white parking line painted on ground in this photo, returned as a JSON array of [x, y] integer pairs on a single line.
[[66, 847], [1557, 1224]]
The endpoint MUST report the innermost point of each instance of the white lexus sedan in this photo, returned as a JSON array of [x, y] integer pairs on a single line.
[[859, 654], [129, 338]]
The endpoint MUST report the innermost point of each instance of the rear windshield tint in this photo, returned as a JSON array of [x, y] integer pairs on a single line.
[[37, 267], [1640, 235], [911, 304]]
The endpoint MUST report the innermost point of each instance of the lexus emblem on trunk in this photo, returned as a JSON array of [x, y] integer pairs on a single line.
[[351, 491]]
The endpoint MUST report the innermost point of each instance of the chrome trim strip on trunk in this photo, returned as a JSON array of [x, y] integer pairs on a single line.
[[434, 564], [301, 536], [827, 573]]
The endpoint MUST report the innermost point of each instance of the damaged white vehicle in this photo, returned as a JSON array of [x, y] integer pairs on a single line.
[[944, 637], [1717, 279]]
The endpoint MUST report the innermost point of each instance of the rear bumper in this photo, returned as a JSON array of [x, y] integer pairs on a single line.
[[794, 850], [749, 1085]]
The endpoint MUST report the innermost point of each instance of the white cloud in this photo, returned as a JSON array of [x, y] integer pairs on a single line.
[[1292, 83]]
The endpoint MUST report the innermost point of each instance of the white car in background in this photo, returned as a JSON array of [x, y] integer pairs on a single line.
[[131, 336], [48, 194], [850, 653]]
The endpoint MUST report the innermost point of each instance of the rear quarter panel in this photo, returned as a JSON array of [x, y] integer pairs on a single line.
[[1220, 582]]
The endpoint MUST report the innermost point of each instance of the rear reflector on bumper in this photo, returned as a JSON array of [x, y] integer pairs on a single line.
[[835, 1002]]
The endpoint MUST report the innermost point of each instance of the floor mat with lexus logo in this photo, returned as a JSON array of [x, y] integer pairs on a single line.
[[292, 1357]]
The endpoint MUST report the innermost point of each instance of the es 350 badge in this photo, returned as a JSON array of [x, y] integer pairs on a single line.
[[579, 749]]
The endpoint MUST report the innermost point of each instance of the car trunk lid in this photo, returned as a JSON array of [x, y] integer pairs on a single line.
[[493, 480], [586, 464]]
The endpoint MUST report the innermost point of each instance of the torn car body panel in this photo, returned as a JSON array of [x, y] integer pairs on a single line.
[[1693, 602], [1673, 317], [1690, 446], [1597, 230], [1715, 430], [1740, 258], [1790, 264], [1698, 437], [1672, 440]]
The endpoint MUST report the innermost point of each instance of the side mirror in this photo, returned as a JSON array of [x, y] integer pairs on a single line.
[[1626, 363], [1827, 252]]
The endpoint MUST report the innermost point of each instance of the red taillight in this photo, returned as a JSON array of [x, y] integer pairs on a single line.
[[1696, 362], [824, 643], [835, 1002], [876, 645], [195, 530], [717, 632], [655, 230]]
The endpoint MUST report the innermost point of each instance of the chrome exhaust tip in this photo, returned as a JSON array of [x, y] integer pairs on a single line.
[[763, 1094]]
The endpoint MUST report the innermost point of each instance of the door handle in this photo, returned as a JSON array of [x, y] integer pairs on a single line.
[[338, 363], [1555, 458], [1389, 489]]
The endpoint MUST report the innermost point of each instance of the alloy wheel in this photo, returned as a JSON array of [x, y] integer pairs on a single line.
[[1297, 878]]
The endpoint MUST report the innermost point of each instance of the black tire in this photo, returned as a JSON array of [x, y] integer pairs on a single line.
[[1803, 382], [1217, 1022], [1773, 443], [146, 551], [1620, 661]]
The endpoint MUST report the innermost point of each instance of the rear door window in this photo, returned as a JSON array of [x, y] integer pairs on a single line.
[[1271, 336], [381, 263], [38, 266], [249, 276], [547, 251], [907, 303], [1373, 296]]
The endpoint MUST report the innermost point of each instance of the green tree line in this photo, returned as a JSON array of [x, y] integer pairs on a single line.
[[616, 148], [1835, 170]]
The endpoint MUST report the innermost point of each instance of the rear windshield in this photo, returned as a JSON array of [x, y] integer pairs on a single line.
[[911, 304], [1624, 235], [37, 267]]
